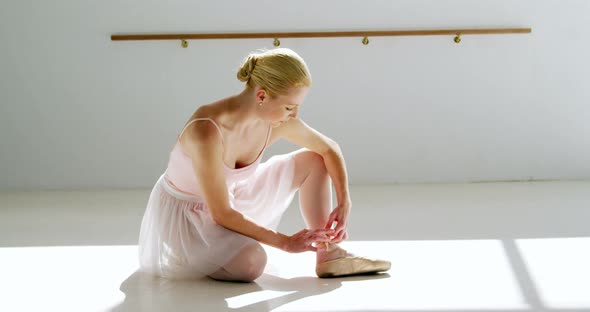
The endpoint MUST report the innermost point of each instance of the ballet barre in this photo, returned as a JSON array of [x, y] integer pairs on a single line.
[[364, 34]]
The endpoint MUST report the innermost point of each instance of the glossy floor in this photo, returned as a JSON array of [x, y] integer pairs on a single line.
[[455, 247]]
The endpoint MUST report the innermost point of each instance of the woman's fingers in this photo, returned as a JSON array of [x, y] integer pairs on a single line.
[[319, 239], [322, 232], [331, 220], [340, 237], [340, 226], [304, 239], [319, 236]]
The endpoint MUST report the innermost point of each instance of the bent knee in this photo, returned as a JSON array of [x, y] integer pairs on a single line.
[[251, 273], [254, 260], [310, 159], [247, 265]]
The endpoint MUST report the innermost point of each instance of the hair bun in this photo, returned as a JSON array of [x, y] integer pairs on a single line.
[[247, 68]]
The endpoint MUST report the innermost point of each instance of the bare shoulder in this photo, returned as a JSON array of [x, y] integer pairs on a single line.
[[205, 111], [202, 132]]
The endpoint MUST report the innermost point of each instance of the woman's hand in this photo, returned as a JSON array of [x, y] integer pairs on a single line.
[[303, 240], [340, 216]]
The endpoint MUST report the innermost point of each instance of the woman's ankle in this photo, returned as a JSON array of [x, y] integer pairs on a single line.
[[329, 252]]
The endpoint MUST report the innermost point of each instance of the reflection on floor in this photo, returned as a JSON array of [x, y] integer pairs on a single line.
[[463, 247]]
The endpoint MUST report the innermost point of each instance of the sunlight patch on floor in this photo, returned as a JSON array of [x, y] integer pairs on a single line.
[[76, 278], [425, 275], [444, 275], [560, 269], [254, 297]]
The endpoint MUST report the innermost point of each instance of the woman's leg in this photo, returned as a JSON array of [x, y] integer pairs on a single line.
[[315, 196], [311, 176], [246, 266]]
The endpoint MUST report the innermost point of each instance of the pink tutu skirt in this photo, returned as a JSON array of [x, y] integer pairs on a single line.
[[178, 237]]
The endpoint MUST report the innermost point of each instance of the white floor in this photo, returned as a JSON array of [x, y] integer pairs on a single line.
[[464, 247]]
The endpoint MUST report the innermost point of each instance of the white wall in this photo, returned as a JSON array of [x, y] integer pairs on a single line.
[[78, 110]]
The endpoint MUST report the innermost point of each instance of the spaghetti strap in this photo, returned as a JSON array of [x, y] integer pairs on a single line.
[[204, 118]]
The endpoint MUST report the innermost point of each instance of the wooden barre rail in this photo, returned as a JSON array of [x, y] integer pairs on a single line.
[[365, 34]]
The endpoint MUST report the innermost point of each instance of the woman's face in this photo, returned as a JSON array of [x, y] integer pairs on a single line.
[[284, 107]]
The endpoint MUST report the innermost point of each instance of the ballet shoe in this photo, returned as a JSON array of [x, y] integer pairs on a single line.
[[351, 265]]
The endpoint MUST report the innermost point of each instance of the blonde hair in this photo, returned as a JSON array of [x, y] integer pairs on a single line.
[[275, 70]]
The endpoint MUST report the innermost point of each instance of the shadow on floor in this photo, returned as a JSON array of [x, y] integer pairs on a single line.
[[144, 292]]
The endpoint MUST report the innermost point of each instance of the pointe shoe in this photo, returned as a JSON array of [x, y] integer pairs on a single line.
[[351, 265]]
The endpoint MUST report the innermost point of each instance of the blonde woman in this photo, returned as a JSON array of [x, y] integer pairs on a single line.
[[216, 202]]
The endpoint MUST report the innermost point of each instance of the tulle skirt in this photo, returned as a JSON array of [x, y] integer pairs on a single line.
[[178, 237]]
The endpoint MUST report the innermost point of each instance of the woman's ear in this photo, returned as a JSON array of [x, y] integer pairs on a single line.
[[260, 95]]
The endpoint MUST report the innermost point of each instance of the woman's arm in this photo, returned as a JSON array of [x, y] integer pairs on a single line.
[[203, 144], [298, 132], [336, 167]]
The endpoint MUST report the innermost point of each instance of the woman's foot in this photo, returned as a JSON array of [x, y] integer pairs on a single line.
[[327, 252], [334, 261]]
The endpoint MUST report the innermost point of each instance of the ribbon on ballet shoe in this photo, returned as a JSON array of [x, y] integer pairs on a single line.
[[325, 246]]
